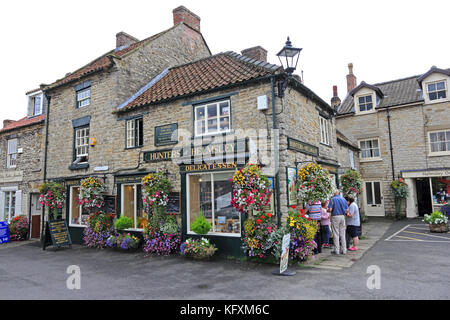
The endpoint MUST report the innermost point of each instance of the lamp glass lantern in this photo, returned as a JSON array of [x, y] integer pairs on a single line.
[[288, 57]]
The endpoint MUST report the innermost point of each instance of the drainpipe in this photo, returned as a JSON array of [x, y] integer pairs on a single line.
[[275, 151], [390, 142], [47, 116]]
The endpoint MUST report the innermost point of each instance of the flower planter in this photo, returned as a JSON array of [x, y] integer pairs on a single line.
[[439, 228]]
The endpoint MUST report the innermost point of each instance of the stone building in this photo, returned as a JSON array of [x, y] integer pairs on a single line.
[[204, 119], [403, 130], [84, 138], [21, 145]]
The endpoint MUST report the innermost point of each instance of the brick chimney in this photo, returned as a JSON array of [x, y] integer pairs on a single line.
[[7, 122], [182, 14], [258, 53], [335, 101], [123, 39], [351, 79]]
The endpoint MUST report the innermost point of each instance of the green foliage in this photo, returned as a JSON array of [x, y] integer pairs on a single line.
[[400, 188], [276, 238], [351, 183], [157, 218], [170, 225], [123, 223], [436, 217], [201, 225]]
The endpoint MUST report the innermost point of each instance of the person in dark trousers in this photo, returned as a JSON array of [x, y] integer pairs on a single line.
[[314, 213], [353, 222]]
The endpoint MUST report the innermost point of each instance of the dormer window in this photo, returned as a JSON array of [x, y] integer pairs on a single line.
[[35, 105], [437, 90], [365, 103]]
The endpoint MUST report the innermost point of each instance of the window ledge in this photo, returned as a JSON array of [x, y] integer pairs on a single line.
[[361, 113], [132, 148], [326, 145], [77, 226], [442, 100], [438, 154], [79, 166], [361, 160], [220, 234]]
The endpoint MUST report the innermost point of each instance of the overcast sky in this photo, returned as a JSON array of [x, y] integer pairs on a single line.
[[385, 40]]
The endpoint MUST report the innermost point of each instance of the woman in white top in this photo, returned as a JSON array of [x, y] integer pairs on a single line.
[[352, 221]]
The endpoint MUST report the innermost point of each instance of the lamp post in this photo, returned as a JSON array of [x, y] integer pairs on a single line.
[[288, 57]]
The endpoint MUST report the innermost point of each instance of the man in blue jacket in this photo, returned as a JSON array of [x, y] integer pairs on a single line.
[[338, 208]]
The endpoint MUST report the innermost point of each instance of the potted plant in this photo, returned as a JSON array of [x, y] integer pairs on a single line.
[[123, 223], [18, 229], [200, 249], [123, 242], [437, 221], [100, 228], [400, 190], [164, 239]]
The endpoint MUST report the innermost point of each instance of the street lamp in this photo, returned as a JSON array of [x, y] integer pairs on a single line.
[[288, 57]]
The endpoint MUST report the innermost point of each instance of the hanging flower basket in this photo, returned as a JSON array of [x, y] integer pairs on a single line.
[[351, 183], [155, 190], [91, 194], [314, 183], [52, 195], [251, 189]]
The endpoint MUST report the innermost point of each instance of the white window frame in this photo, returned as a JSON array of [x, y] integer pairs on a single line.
[[372, 158], [82, 143], [37, 110], [8, 207], [373, 204], [213, 223], [80, 210], [11, 158], [83, 100], [136, 199], [446, 142], [365, 103], [324, 131], [133, 133], [437, 91], [217, 118]]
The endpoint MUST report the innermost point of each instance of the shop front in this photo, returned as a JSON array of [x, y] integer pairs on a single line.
[[430, 190]]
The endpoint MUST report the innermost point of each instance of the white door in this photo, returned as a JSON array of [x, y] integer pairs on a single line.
[[373, 198]]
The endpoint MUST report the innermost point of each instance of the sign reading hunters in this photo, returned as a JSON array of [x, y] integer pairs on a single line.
[[4, 232], [59, 233]]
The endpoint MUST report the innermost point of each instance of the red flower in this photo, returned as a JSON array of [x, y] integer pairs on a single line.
[[294, 207], [263, 217], [269, 215], [258, 221]]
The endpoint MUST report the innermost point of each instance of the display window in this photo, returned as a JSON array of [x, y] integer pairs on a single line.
[[441, 190], [78, 216], [132, 205], [209, 194]]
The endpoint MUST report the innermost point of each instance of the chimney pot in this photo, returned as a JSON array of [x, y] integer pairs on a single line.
[[182, 14], [123, 39], [335, 101], [351, 78], [7, 122], [258, 53]]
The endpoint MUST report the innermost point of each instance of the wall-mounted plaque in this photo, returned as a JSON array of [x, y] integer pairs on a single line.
[[302, 147], [163, 135]]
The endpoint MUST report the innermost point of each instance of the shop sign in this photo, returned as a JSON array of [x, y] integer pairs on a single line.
[[163, 134], [208, 167], [302, 147], [129, 179], [4, 232], [292, 186], [429, 173], [58, 232], [161, 155], [285, 252]]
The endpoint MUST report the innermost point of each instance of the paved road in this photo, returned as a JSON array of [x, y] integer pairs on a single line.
[[409, 270]]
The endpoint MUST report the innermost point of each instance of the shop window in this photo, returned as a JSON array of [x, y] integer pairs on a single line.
[[441, 190], [369, 149], [209, 194], [135, 133], [439, 142], [212, 118], [437, 90], [11, 159], [132, 205], [77, 215]]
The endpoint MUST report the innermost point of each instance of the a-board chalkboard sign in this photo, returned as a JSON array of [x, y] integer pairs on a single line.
[[109, 204], [57, 234], [173, 206]]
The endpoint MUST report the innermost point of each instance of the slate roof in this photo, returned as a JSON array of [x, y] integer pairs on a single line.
[[105, 61], [396, 92], [24, 122], [340, 136], [223, 69]]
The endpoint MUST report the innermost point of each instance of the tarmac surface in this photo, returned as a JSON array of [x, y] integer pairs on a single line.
[[413, 269]]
